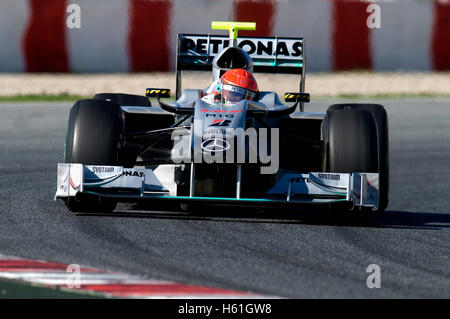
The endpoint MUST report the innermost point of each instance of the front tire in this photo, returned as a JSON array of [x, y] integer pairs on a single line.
[[94, 137], [380, 116], [353, 145]]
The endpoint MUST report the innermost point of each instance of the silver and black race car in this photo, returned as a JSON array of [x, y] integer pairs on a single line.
[[261, 152]]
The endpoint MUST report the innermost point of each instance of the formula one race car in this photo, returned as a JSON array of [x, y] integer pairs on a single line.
[[258, 151]]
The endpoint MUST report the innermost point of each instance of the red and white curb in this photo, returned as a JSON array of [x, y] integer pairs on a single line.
[[112, 284]]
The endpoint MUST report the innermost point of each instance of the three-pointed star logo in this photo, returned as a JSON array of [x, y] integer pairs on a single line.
[[215, 145]]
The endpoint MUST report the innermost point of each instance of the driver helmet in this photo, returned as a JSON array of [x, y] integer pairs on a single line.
[[236, 85]]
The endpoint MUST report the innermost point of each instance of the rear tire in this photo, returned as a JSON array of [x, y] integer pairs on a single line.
[[94, 137], [124, 99]]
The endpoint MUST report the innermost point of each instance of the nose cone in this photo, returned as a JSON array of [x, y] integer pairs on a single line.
[[215, 126]]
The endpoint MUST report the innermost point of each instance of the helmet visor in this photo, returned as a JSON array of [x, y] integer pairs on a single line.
[[235, 94]]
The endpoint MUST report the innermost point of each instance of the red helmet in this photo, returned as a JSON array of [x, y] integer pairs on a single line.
[[237, 85]]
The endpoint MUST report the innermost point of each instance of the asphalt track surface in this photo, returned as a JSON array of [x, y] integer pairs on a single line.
[[276, 253]]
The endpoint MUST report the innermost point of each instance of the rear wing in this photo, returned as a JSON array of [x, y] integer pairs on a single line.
[[196, 52], [269, 54]]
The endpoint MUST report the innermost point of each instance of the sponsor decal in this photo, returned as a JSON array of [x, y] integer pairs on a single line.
[[264, 47], [300, 180], [218, 132], [230, 116], [220, 122], [215, 145], [220, 111], [332, 177], [133, 173], [102, 169]]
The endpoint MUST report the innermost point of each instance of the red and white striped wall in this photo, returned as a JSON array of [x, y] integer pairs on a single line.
[[140, 35], [107, 283]]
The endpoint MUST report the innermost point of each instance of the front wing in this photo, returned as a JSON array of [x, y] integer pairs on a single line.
[[330, 190]]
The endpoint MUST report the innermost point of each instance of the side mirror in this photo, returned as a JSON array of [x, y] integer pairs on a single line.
[[296, 97], [151, 92]]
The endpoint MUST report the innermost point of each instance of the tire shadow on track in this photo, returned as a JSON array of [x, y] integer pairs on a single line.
[[388, 219]]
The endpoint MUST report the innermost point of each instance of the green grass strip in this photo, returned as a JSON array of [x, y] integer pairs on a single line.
[[43, 97], [21, 290]]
